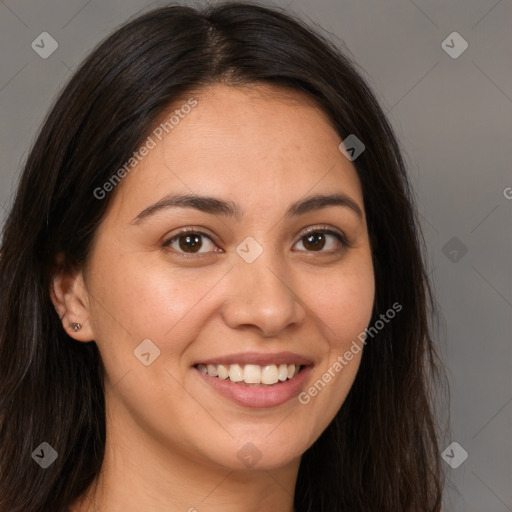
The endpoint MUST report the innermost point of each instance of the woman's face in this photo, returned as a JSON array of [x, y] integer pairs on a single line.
[[247, 287]]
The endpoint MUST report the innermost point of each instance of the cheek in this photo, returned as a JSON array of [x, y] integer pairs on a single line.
[[146, 299], [140, 301], [343, 304], [348, 313]]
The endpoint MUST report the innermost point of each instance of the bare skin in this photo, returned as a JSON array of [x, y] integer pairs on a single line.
[[172, 439]]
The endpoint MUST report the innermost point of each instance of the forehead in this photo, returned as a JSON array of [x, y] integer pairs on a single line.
[[250, 144]]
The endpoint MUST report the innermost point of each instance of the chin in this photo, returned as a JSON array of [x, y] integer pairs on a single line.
[[259, 452]]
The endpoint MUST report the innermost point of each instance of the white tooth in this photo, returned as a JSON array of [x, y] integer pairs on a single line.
[[222, 371], [269, 374], [291, 370], [297, 369], [235, 373], [283, 372], [252, 374], [202, 368], [212, 370]]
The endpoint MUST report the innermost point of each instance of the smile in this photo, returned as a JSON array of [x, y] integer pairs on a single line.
[[251, 374], [255, 380]]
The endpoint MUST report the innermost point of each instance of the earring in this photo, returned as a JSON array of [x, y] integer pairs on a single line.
[[76, 327]]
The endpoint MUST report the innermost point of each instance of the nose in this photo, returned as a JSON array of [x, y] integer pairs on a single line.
[[262, 297]]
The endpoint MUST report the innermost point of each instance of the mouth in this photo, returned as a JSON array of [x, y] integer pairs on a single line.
[[256, 380], [251, 375]]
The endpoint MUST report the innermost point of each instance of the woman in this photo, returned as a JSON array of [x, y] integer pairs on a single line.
[[213, 295]]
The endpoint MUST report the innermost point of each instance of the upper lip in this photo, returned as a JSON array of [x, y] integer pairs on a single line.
[[259, 358]]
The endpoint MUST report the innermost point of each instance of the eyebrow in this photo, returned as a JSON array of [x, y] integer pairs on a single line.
[[226, 208]]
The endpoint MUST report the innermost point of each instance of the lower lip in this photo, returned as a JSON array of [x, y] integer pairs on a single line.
[[262, 396]]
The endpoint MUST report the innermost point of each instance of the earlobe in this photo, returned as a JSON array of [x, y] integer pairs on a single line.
[[70, 299]]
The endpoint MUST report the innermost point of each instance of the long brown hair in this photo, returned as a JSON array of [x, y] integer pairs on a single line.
[[380, 452]]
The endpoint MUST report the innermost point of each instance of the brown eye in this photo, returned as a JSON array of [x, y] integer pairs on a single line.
[[190, 242], [314, 241], [317, 240]]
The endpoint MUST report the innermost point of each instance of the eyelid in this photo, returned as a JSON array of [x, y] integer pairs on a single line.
[[190, 229]]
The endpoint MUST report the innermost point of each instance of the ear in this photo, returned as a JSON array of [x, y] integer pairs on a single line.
[[71, 301]]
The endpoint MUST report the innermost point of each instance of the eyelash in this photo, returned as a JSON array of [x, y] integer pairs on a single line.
[[322, 229]]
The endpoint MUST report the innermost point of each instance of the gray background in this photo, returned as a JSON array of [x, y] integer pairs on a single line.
[[453, 117]]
